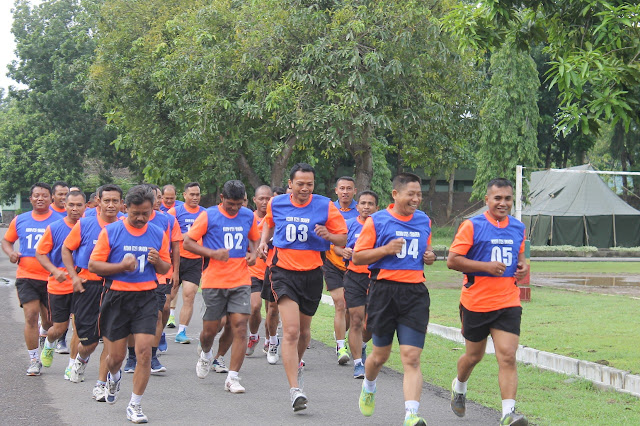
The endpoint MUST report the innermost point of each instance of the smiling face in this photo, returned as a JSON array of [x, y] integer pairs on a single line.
[[40, 199], [499, 201], [345, 190], [192, 196], [109, 204], [407, 198], [366, 206], [302, 186]]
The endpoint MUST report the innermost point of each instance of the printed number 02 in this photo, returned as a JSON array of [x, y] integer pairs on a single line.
[[228, 241], [502, 254]]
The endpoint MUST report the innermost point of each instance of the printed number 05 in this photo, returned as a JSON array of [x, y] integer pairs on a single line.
[[502, 254]]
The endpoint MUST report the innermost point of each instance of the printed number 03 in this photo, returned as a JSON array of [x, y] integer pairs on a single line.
[[300, 233]]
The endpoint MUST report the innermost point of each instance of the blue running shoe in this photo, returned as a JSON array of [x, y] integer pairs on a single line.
[[130, 366], [358, 371], [156, 367], [162, 346], [112, 388], [182, 338]]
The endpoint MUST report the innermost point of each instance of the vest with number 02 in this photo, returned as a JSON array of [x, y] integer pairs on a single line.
[[295, 226], [491, 243], [121, 242], [415, 233], [31, 230], [231, 233], [186, 218]]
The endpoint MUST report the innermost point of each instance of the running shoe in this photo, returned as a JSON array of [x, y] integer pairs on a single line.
[[358, 371], [272, 355], [301, 375], [182, 338], [77, 370], [135, 414], [343, 355], [219, 366], [298, 399], [265, 348], [112, 388], [41, 340], [232, 384], [61, 347], [203, 366], [46, 356], [171, 323], [414, 420], [251, 345], [364, 353], [367, 402], [130, 366], [34, 367], [458, 401], [156, 366], [67, 373], [100, 392], [514, 419], [162, 345]]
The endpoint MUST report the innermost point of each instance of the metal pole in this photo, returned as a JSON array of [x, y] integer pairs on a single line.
[[519, 192]]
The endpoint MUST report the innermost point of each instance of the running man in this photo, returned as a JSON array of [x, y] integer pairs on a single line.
[[59, 285], [489, 250], [128, 254], [302, 225], [87, 286], [356, 282], [169, 200], [229, 233], [396, 244], [190, 263], [260, 200], [31, 277], [59, 190], [334, 268]]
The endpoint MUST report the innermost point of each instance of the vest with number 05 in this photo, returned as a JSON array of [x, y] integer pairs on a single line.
[[295, 226]]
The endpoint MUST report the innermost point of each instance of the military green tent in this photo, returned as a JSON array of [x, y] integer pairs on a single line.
[[574, 207]]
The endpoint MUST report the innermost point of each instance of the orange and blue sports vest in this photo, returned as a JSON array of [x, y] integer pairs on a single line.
[[31, 230], [496, 244], [89, 230], [295, 226], [416, 233], [121, 242], [351, 213], [60, 229], [226, 232], [177, 203], [185, 218]]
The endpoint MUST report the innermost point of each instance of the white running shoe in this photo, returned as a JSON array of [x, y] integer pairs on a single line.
[[219, 366], [112, 388], [203, 366], [298, 399], [77, 371], [301, 376], [99, 392], [272, 354], [34, 367], [232, 384], [135, 414]]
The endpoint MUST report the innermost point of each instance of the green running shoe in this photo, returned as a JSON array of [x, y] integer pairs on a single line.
[[46, 356], [414, 420], [367, 402], [171, 323], [458, 402], [514, 419], [343, 355]]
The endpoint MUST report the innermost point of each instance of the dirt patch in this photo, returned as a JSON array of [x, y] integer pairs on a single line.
[[619, 284]]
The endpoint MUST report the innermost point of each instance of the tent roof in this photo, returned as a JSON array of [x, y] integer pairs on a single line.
[[572, 192]]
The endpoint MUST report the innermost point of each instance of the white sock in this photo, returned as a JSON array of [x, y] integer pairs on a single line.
[[207, 355], [411, 407], [135, 399], [508, 405], [364, 346], [116, 377], [33, 353], [255, 336], [357, 361], [369, 385], [48, 344], [71, 361], [460, 387], [43, 332], [232, 374], [182, 328], [340, 343], [172, 312], [273, 340], [82, 359]]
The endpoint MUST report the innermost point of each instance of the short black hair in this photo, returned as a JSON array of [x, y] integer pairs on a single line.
[[278, 190], [153, 186], [267, 187], [109, 187], [191, 185], [347, 178], [138, 194], [367, 192], [92, 196], [499, 183], [75, 194], [234, 190], [164, 188], [403, 179], [40, 185], [301, 167], [57, 184]]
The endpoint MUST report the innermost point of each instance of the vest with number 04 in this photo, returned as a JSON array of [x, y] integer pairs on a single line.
[[226, 232], [295, 226], [416, 234], [491, 243], [122, 242]]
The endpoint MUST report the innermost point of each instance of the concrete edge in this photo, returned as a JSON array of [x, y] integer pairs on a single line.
[[601, 375]]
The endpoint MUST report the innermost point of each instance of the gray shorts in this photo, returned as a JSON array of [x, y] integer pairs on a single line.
[[223, 301]]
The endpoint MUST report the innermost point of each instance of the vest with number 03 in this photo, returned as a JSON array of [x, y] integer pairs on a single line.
[[226, 232], [31, 230], [416, 234], [295, 226], [491, 243], [121, 242]]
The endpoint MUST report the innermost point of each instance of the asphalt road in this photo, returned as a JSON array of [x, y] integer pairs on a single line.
[[178, 396]]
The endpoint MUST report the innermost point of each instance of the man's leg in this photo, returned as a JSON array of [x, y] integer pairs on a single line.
[[339, 321], [473, 354], [291, 352], [238, 325], [256, 313], [355, 332], [205, 358], [31, 311], [412, 380], [143, 344], [116, 352], [189, 291], [226, 338]]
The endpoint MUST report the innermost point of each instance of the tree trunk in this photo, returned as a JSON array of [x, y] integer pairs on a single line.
[[432, 184], [278, 169], [248, 172], [452, 178], [363, 158]]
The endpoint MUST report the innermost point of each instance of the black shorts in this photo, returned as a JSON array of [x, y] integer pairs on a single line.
[[476, 326], [161, 294], [392, 303], [333, 277], [190, 270], [86, 310], [30, 289], [60, 307], [303, 287], [128, 312], [356, 288], [256, 285], [267, 293]]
